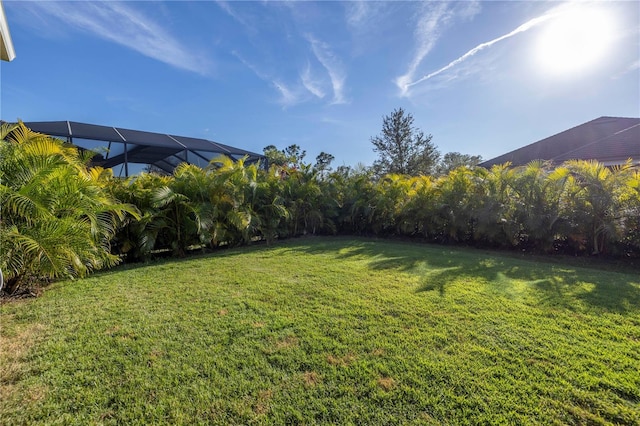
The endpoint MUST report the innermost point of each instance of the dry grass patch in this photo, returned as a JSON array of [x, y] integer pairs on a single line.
[[263, 402], [13, 348], [311, 378], [286, 343], [111, 331], [342, 361], [386, 383], [36, 393], [15, 343]]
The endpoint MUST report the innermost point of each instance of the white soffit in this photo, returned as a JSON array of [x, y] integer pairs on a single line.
[[6, 45]]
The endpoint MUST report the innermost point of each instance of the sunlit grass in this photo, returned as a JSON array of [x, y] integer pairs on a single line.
[[328, 331]]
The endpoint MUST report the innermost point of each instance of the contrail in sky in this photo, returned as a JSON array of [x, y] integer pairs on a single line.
[[522, 28]]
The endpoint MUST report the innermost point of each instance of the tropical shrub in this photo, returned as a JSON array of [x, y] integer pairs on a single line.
[[230, 218], [56, 218], [600, 203], [266, 200], [60, 217], [629, 244], [356, 190], [138, 237]]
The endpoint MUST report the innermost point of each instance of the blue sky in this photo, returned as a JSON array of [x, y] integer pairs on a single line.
[[482, 77]]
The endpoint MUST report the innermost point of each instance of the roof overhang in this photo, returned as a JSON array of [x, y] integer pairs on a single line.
[[6, 45]]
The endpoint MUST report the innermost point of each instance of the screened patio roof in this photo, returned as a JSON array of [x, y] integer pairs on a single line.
[[117, 146]]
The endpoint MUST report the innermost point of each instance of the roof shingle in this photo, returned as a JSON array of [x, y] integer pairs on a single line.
[[609, 140]]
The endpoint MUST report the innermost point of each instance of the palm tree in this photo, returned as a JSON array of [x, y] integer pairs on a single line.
[[416, 212], [630, 210], [494, 222], [139, 236], [357, 191], [268, 205], [230, 217], [178, 206], [537, 193], [455, 205], [56, 218], [595, 202]]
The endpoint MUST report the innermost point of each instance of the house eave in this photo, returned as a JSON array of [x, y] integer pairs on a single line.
[[7, 53]]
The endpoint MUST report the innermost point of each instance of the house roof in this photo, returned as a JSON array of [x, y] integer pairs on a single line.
[[609, 140], [6, 45], [161, 150]]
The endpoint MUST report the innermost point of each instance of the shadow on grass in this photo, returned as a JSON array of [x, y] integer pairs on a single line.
[[168, 258], [549, 282]]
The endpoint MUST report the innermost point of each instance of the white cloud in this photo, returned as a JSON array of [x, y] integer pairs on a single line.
[[366, 16], [358, 13], [426, 33], [431, 21], [633, 66], [225, 6], [333, 65], [256, 71], [119, 23], [229, 10], [312, 85], [522, 28], [288, 96]]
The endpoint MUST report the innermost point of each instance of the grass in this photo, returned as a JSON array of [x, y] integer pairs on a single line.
[[334, 331]]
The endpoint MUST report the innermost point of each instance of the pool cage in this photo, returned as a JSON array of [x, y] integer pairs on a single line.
[[130, 152]]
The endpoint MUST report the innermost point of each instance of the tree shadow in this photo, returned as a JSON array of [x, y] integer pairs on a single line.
[[548, 282]]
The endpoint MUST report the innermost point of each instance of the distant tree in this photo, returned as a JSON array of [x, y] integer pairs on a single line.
[[274, 155], [291, 156], [402, 148], [323, 162], [295, 155], [453, 160], [152, 168]]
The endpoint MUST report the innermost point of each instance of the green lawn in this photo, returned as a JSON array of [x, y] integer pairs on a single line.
[[328, 330]]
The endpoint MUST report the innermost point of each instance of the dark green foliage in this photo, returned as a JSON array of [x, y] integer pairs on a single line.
[[453, 160], [402, 148], [56, 217], [192, 208], [291, 156], [579, 208], [323, 162], [50, 197]]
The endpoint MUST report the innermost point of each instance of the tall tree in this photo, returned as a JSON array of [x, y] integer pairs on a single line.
[[275, 156], [453, 160], [295, 155], [291, 156], [402, 148], [323, 162]]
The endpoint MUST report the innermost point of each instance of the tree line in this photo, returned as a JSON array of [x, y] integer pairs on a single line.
[[59, 217]]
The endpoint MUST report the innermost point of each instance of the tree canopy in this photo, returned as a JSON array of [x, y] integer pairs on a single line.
[[403, 148], [453, 160], [291, 156]]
